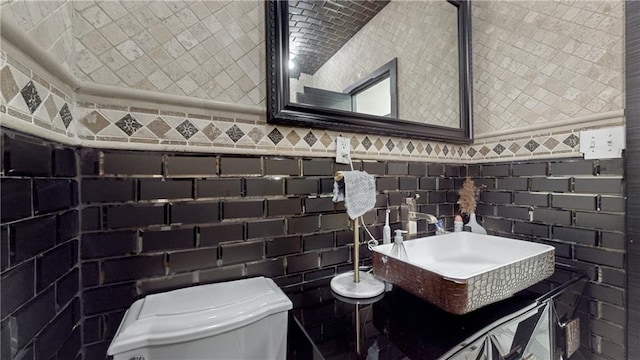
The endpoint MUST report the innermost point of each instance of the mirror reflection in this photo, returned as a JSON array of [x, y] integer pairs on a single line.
[[396, 58]]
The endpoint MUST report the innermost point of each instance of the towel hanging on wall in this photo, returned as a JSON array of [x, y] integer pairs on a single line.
[[358, 191]]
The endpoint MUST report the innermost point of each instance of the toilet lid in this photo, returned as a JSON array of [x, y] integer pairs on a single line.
[[197, 312]]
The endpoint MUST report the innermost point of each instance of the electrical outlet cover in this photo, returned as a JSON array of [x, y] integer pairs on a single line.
[[606, 143], [343, 150]]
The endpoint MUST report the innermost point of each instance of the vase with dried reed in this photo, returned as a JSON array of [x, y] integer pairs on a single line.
[[467, 201]]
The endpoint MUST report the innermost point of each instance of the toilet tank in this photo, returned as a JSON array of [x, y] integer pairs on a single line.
[[242, 319]]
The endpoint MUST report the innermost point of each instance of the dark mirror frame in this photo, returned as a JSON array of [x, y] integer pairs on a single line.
[[280, 110]]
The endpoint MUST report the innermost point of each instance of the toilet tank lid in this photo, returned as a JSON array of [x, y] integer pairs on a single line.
[[197, 312]]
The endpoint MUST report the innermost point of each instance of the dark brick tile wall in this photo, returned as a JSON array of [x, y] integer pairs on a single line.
[[578, 206], [40, 316]]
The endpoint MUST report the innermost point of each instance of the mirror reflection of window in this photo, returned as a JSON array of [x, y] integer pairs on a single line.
[[375, 100]]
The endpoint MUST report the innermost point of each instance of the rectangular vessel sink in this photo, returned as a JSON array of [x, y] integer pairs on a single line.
[[460, 272]]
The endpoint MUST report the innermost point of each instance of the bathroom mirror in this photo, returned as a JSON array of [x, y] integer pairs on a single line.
[[398, 68]]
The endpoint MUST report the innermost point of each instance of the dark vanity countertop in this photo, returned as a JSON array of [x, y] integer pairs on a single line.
[[399, 325]]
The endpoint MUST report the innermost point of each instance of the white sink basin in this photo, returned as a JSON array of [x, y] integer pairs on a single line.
[[463, 271]]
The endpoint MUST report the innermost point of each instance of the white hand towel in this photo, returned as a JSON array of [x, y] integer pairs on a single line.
[[358, 190]]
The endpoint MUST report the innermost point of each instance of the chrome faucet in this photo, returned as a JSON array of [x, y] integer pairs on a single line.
[[413, 216]]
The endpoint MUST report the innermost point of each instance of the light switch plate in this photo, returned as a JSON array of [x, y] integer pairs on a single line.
[[606, 143], [343, 150]]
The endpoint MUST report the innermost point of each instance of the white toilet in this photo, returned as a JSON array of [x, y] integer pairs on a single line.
[[243, 319]]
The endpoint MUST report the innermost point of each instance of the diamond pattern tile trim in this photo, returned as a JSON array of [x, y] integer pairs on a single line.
[[256, 135], [212, 132], [187, 129], [159, 127], [31, 96], [235, 133], [410, 147], [65, 115], [275, 136], [572, 141], [390, 145], [532, 145], [8, 84], [95, 122], [310, 139], [128, 124], [499, 149], [366, 143]]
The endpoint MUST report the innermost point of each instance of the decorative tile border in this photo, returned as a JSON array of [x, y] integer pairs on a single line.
[[32, 104]]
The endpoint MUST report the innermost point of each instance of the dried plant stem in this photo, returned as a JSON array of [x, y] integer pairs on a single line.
[[467, 200]]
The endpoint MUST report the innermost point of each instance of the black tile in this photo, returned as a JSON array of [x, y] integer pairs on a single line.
[[302, 186], [600, 221], [446, 184], [499, 225], [525, 228], [168, 239], [397, 168], [191, 166], [570, 201], [192, 260], [437, 197], [381, 200], [15, 199], [241, 252], [89, 161], [495, 170], [17, 287], [428, 183], [4, 247], [531, 199], [127, 216], [473, 170], [495, 197], [374, 167], [72, 345], [600, 256], [240, 166], [68, 287], [34, 315], [418, 169], [55, 263], [319, 274], [318, 241], [106, 244], [579, 167], [386, 183], [580, 236], [96, 351], [398, 198], [607, 294], [64, 162], [305, 224], [611, 167], [31, 237], [195, 213], [298, 263], [552, 216], [344, 237], [612, 241], [454, 170], [67, 225], [334, 221], [490, 210], [599, 186], [228, 273], [611, 203], [26, 156], [168, 283], [318, 204], [213, 235], [607, 330], [529, 169], [52, 337], [107, 190], [616, 277], [326, 185], [317, 167], [513, 212], [552, 185], [132, 268], [90, 274], [512, 184], [234, 209], [219, 188], [283, 246], [334, 257], [108, 298], [53, 195], [562, 250], [264, 187], [151, 189], [290, 206], [269, 268], [276, 166], [613, 314], [265, 228], [408, 183], [132, 164], [435, 170], [91, 219], [344, 167]]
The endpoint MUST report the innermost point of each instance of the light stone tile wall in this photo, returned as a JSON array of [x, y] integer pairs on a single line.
[[204, 49], [423, 36], [542, 61], [47, 22]]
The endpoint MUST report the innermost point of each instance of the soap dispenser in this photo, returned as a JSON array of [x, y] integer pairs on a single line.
[[398, 251]]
